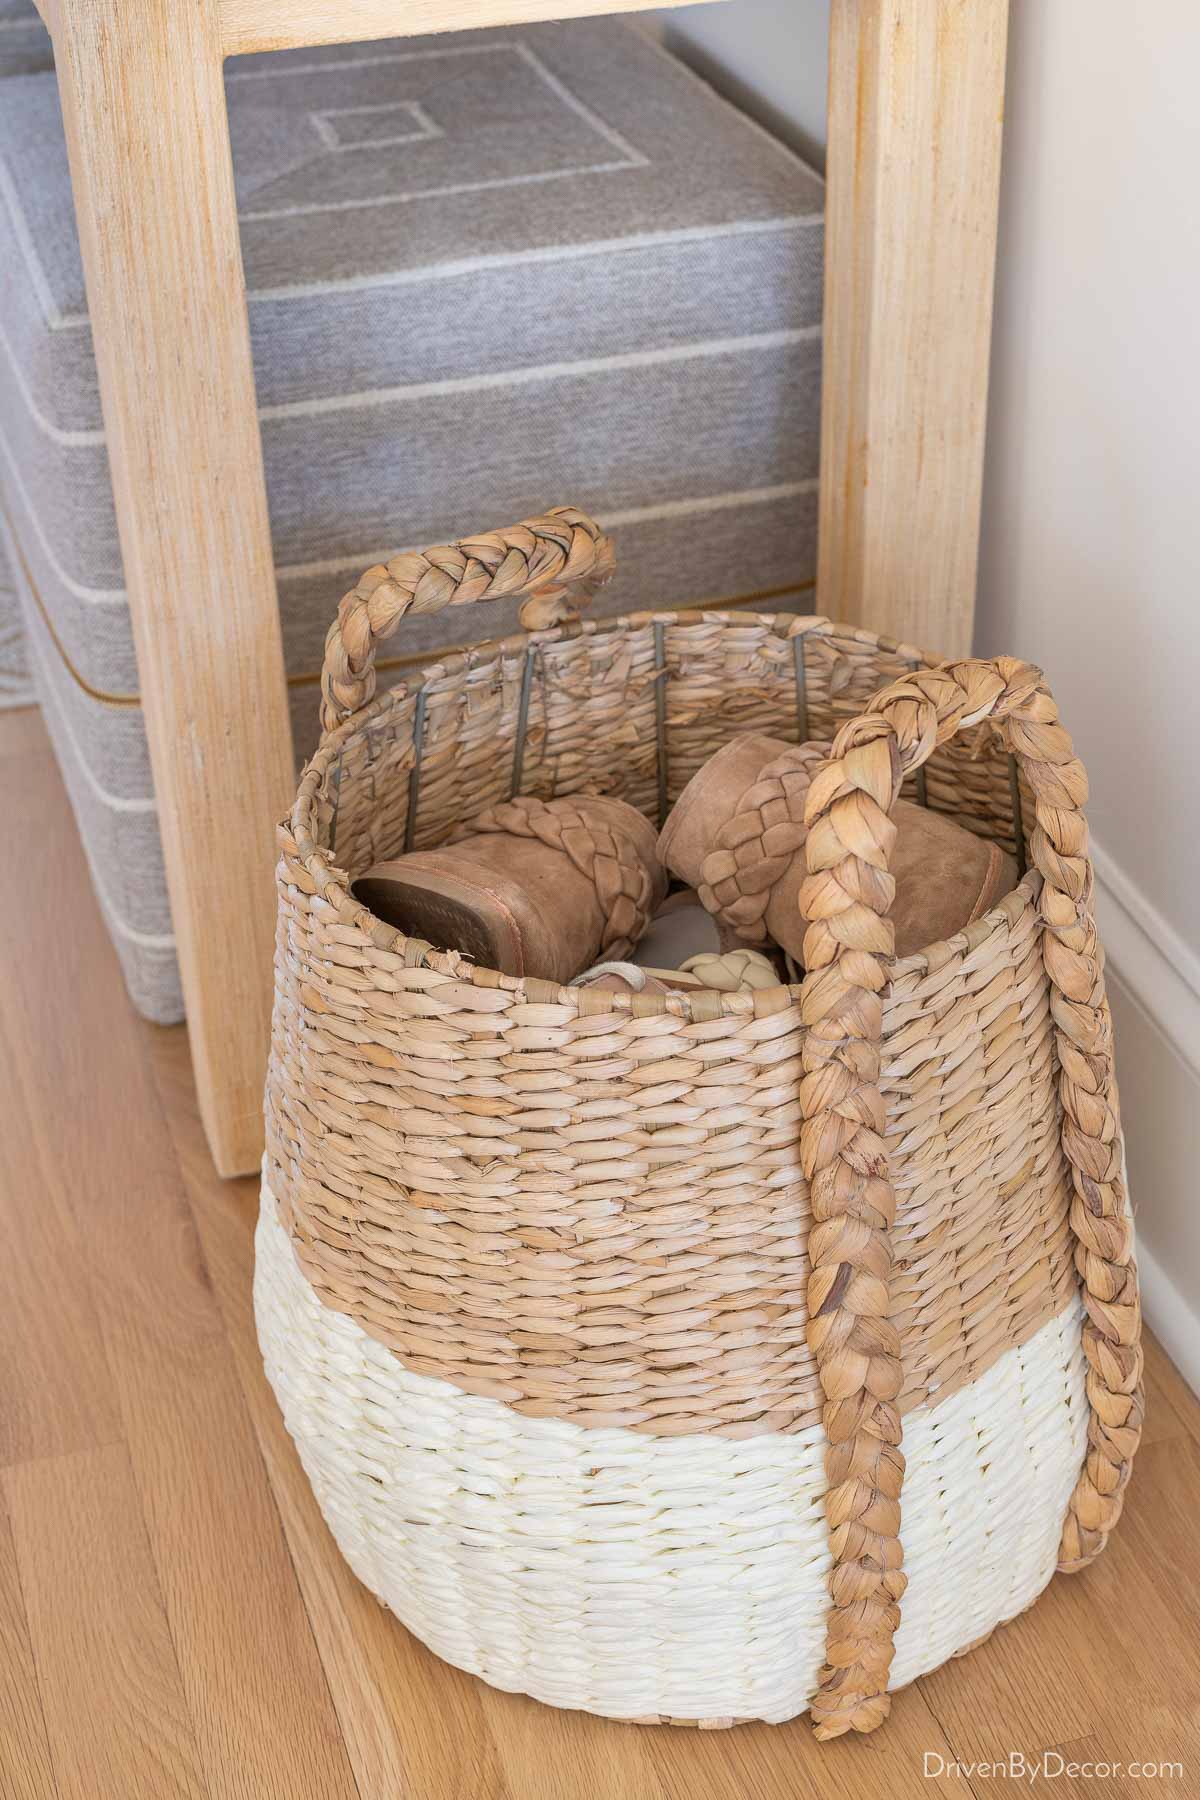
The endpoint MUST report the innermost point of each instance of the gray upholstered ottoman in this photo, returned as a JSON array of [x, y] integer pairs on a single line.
[[16, 687], [486, 272], [25, 49]]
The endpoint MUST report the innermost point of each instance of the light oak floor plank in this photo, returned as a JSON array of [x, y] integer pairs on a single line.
[[259, 1701], [1171, 1409], [296, 1681], [116, 1714], [56, 1392], [25, 1769], [1106, 1764], [21, 734]]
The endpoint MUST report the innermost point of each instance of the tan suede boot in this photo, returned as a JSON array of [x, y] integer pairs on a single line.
[[737, 834], [531, 887]]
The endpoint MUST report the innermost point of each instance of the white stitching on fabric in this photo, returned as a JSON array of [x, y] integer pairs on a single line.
[[548, 253], [459, 384], [90, 596], [629, 157], [560, 371], [328, 134], [537, 179]]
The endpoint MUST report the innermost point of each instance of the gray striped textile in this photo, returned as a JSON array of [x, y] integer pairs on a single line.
[[25, 49], [487, 272]]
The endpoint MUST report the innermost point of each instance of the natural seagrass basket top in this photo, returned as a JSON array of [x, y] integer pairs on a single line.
[[707, 1212], [543, 712]]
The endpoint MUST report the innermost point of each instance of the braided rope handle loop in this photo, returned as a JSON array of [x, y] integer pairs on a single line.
[[542, 559], [847, 948]]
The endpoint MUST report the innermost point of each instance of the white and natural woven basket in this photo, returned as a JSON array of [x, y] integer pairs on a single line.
[[599, 1319]]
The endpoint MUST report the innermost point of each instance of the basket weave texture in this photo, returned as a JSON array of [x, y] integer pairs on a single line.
[[803, 1223]]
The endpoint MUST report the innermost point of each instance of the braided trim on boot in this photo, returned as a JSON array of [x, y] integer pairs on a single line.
[[755, 847], [605, 854]]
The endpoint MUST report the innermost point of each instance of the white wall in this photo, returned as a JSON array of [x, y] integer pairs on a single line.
[[1091, 543], [770, 56], [1090, 559]]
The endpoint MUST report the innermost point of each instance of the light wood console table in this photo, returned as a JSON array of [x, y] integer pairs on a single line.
[[916, 92]]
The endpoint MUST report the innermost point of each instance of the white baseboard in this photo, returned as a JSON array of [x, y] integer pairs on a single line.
[[1158, 968], [1174, 1323], [1151, 966]]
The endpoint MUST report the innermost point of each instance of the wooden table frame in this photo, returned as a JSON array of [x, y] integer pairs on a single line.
[[914, 154]]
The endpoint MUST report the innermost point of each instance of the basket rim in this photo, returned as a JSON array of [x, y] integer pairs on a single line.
[[297, 835]]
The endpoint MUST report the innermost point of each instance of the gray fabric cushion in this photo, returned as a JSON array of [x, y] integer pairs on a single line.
[[101, 751], [25, 47], [16, 687], [486, 272], [636, 325]]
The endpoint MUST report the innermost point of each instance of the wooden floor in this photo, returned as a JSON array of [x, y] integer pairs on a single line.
[[174, 1618]]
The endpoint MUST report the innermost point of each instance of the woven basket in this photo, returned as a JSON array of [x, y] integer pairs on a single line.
[[598, 1319]]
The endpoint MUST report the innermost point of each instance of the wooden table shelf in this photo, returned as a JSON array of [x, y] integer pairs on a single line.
[[914, 158]]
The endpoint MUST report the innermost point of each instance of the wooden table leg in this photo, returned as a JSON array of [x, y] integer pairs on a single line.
[[144, 107], [916, 96]]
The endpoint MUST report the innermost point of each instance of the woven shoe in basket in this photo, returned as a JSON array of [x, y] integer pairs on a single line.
[[531, 887], [700, 1356], [738, 832]]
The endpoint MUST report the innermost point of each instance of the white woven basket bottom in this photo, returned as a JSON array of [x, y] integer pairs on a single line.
[[633, 1575]]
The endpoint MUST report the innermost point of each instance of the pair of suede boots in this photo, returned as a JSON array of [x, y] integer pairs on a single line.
[[567, 889]]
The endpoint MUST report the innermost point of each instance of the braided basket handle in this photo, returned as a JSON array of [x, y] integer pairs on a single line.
[[541, 559], [849, 942]]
